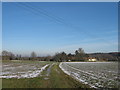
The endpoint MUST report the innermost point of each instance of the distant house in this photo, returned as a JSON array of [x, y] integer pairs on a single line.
[[92, 59], [69, 60]]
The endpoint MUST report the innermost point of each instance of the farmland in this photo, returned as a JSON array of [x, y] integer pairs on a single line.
[[95, 74], [43, 74], [20, 69], [36, 74]]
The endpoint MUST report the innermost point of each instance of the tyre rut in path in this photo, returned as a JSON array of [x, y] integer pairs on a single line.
[[54, 77], [48, 72]]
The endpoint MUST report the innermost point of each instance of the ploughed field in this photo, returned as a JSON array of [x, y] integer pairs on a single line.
[[36, 74], [95, 74], [20, 69], [40, 74]]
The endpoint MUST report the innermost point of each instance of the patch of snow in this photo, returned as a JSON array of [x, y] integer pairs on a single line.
[[28, 74], [65, 71], [72, 71]]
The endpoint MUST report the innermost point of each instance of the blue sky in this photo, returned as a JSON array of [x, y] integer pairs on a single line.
[[50, 27]]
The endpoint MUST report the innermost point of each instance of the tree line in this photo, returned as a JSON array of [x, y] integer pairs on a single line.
[[61, 56], [79, 55]]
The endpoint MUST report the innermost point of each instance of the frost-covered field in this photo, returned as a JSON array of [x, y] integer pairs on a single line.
[[22, 69], [95, 74]]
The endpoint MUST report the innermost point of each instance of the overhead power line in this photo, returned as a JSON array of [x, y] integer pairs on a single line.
[[51, 17], [39, 11]]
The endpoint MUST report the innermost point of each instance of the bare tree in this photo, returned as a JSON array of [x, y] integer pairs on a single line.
[[81, 51], [18, 57], [80, 54], [33, 55], [12, 56], [7, 55]]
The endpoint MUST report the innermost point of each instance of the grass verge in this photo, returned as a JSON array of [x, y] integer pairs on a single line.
[[56, 79]]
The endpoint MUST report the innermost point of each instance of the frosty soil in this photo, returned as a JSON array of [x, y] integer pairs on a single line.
[[96, 74], [22, 70]]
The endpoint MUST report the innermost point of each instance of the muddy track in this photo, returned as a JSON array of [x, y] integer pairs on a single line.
[[49, 69]]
